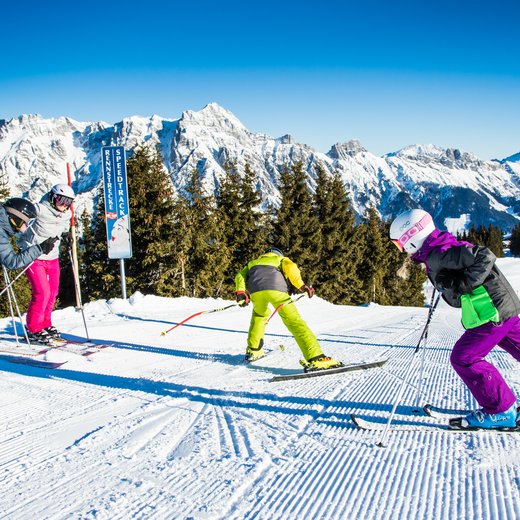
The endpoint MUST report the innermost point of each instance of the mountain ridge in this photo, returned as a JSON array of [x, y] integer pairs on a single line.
[[447, 182]]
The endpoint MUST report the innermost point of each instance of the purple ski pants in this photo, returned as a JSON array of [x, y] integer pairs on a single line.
[[484, 381], [44, 277]]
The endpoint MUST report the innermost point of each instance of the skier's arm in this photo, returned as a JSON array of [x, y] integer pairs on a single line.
[[473, 266], [241, 279], [12, 260], [291, 271]]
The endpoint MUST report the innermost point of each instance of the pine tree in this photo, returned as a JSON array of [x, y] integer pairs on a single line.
[[375, 263], [339, 252], [514, 246], [241, 220], [490, 237], [151, 207], [151, 210], [202, 257], [296, 227]]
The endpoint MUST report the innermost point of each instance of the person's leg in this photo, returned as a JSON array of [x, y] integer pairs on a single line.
[[303, 335], [53, 278], [483, 380], [37, 276], [259, 316], [511, 342]]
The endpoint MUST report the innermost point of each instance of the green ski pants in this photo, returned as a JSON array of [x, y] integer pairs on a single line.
[[304, 337]]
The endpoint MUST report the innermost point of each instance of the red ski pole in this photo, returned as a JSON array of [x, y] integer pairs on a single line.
[[195, 315], [284, 304]]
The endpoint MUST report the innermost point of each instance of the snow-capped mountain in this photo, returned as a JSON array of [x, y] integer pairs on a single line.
[[449, 183]]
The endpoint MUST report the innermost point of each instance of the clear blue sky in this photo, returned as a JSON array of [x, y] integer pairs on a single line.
[[387, 73]]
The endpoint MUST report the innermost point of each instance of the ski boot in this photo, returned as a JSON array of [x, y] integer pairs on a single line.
[[321, 362], [41, 337], [54, 333], [480, 420], [254, 354]]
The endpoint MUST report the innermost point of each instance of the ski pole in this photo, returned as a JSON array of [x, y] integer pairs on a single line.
[[12, 298], [381, 443], [14, 279], [78, 292], [284, 304], [424, 336], [219, 309]]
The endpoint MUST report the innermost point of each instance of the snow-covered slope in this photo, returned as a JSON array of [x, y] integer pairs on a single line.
[[176, 426], [447, 182]]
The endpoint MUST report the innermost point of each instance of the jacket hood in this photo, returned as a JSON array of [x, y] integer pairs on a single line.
[[440, 241]]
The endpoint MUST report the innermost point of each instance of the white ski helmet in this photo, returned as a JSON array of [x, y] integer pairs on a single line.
[[410, 229], [61, 195]]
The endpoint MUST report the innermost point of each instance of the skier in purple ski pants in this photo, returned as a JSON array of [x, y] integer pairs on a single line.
[[468, 278]]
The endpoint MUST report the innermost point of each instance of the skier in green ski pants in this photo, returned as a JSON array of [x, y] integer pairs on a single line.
[[265, 281]]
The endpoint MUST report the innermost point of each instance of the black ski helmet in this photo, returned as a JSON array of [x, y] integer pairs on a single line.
[[20, 211], [275, 250]]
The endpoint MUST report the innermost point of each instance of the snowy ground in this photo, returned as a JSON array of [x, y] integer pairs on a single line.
[[176, 427]]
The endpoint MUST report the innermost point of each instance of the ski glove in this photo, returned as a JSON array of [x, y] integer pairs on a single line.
[[242, 298], [309, 289], [66, 239], [47, 245], [451, 280]]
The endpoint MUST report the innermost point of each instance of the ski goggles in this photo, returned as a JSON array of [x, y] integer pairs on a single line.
[[398, 245], [62, 200]]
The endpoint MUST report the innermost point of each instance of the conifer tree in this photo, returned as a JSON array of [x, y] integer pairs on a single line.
[[375, 263], [490, 237], [296, 227], [151, 211], [339, 252], [514, 246], [150, 197], [202, 257], [241, 220]]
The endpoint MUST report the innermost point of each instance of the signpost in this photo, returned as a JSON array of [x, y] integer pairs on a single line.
[[117, 215]]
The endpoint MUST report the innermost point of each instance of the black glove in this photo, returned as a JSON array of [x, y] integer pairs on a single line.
[[242, 298], [309, 289], [447, 280], [47, 245], [66, 239]]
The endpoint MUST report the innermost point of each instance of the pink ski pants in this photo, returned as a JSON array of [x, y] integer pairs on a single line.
[[44, 277]]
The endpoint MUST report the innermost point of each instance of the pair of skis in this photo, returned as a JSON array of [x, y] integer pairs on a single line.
[[26, 356], [449, 414], [320, 372]]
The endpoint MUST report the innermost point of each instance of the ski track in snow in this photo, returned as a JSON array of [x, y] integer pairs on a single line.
[[179, 427]]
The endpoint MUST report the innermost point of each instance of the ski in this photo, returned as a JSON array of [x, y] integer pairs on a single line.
[[377, 425], [82, 348], [444, 413], [30, 361], [452, 413], [23, 351], [329, 371]]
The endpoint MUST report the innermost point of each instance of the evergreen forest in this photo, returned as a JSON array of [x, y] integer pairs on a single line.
[[192, 243]]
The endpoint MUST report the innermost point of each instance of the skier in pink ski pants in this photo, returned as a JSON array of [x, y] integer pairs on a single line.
[[52, 220]]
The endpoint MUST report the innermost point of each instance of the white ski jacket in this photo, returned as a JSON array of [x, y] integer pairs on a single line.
[[49, 223]]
